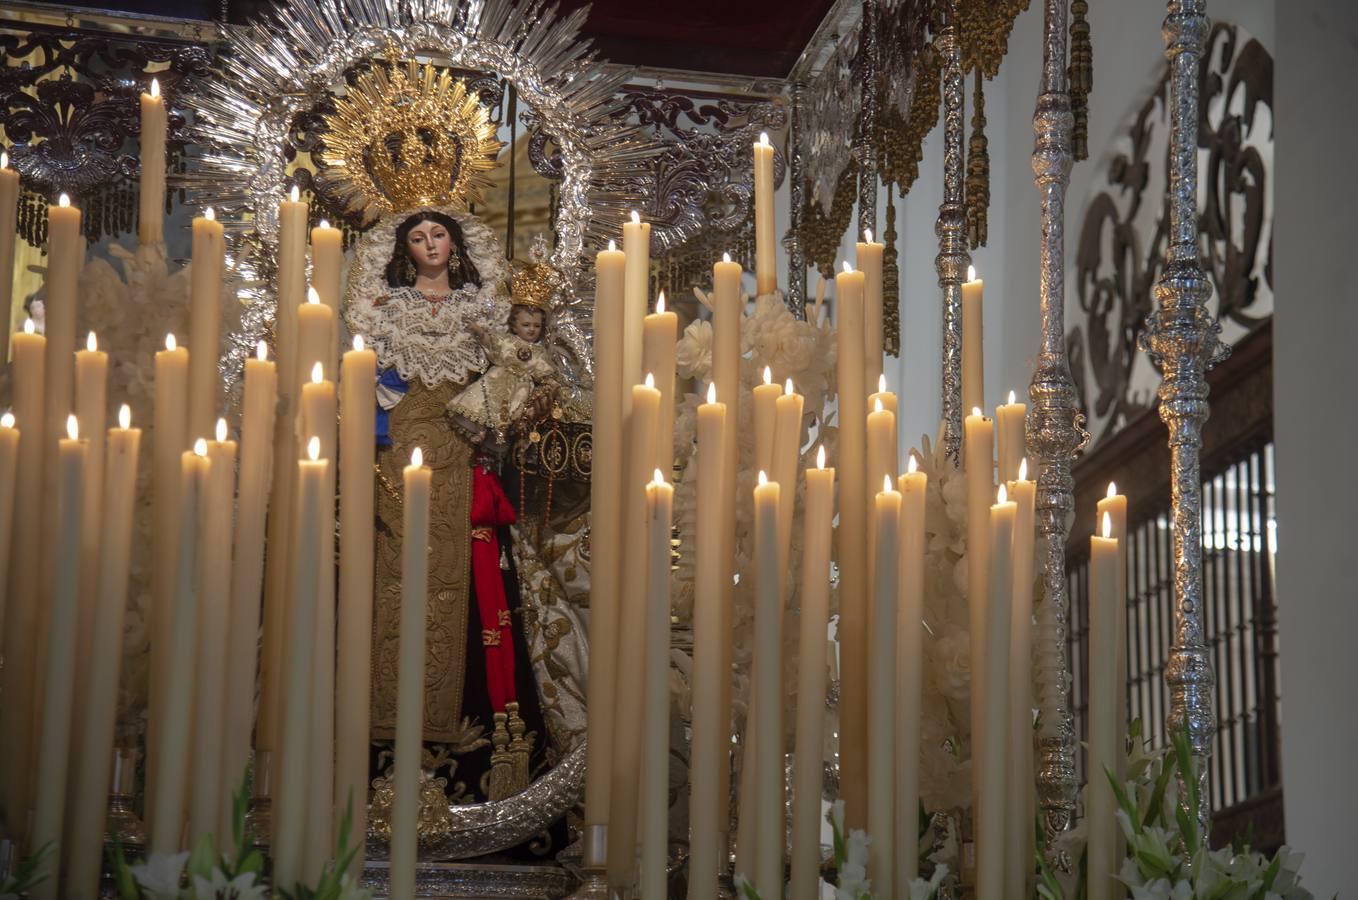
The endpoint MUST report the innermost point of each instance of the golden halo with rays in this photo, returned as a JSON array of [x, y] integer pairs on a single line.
[[405, 138]]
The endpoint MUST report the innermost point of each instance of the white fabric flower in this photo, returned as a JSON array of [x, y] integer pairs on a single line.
[[693, 353], [159, 875]]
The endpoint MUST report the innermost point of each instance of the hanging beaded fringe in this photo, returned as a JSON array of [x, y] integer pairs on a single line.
[[978, 173], [1081, 74]]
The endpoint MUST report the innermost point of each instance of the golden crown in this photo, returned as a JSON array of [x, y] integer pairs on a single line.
[[407, 137], [538, 282]]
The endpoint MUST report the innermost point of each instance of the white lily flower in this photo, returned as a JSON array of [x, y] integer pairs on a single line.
[[242, 887], [159, 875]]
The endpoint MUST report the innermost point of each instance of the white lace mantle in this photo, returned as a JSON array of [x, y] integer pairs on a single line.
[[418, 337]]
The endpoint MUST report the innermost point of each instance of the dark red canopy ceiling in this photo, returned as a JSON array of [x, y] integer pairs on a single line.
[[758, 38]]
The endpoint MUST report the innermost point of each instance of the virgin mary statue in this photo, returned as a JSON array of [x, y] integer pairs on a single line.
[[426, 289]]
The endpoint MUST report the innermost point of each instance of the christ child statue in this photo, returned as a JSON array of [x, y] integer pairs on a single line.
[[520, 376]]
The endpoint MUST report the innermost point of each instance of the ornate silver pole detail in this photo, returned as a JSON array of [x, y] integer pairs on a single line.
[[796, 263], [1181, 338], [867, 123], [953, 258], [1055, 433]]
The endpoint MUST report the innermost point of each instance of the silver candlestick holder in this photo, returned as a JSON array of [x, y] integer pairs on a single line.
[[1055, 434], [1181, 339], [953, 258]]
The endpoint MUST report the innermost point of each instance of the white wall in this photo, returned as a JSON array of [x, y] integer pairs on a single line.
[[1315, 322]]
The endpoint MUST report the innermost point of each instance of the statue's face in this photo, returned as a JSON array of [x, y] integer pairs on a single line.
[[429, 246], [527, 325]]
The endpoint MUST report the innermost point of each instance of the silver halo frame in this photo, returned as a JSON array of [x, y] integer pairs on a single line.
[[286, 64]]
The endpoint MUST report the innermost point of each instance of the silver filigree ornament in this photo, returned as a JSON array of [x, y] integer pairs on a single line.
[[284, 65], [289, 63]]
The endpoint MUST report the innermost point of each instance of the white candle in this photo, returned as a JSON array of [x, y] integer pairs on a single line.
[[247, 574], [767, 700], [54, 738], [853, 549], [9, 206], [1103, 728], [881, 691], [605, 518], [327, 263], [622, 818], [978, 461], [764, 398], [709, 733], [991, 744], [89, 800], [315, 338], [973, 354], [214, 623], [151, 184], [205, 322], [765, 238], [909, 668], [660, 333], [784, 461], [1009, 431], [410, 676], [869, 260], [289, 802], [9, 465], [170, 438], [172, 748], [1115, 505], [811, 678], [357, 453], [1022, 777], [636, 245], [881, 461], [91, 405], [656, 721], [18, 722]]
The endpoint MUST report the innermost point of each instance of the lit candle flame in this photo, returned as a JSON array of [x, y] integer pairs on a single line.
[[660, 303], [763, 138], [313, 448], [261, 351], [29, 327], [317, 373], [711, 392], [820, 457], [221, 430], [312, 295], [91, 342], [358, 343], [726, 257], [886, 483], [881, 383], [976, 411], [876, 404], [847, 268], [650, 380], [1012, 398], [1112, 489], [295, 194], [417, 457], [170, 343], [1023, 469], [200, 447], [1001, 496], [325, 223], [612, 246], [768, 375], [763, 479], [124, 417], [4, 160], [1107, 525], [7, 420], [787, 388], [64, 200], [971, 273], [911, 465], [155, 87], [867, 235], [636, 217], [210, 214], [658, 479]]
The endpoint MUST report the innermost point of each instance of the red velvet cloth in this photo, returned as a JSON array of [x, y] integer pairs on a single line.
[[491, 508]]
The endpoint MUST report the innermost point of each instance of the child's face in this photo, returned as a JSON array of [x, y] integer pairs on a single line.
[[527, 325]]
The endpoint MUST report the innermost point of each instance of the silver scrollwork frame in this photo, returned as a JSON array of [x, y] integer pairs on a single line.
[[275, 69]]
